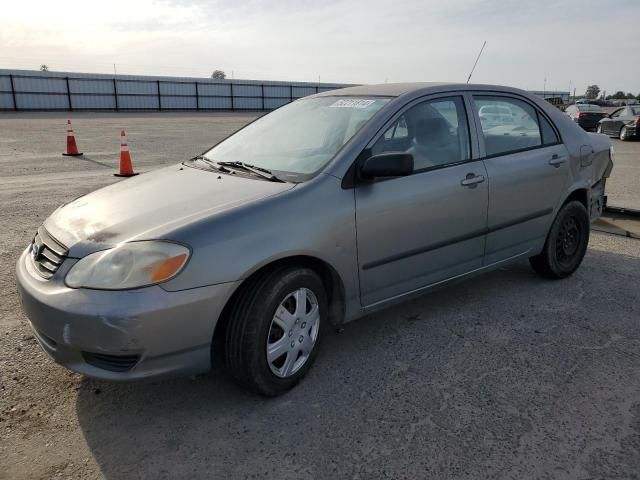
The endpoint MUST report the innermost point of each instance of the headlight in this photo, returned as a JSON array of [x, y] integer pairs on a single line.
[[130, 265]]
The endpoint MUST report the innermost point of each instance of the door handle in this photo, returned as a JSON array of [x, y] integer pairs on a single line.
[[557, 160], [472, 180]]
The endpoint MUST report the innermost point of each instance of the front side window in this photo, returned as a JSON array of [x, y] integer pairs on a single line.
[[509, 125], [434, 132], [299, 139]]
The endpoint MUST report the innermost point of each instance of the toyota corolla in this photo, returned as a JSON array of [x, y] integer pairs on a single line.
[[320, 212]]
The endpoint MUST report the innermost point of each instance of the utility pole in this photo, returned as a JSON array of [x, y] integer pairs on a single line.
[[114, 69]]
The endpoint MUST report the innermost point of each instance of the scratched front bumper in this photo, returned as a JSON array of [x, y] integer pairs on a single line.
[[171, 332]]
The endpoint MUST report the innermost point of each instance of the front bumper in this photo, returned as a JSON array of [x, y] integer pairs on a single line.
[[121, 335]]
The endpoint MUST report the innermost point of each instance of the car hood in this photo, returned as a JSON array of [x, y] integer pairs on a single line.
[[151, 206]]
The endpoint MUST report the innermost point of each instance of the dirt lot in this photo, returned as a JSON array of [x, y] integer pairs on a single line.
[[503, 376]]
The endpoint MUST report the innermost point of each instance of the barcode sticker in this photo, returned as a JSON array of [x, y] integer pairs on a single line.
[[352, 103]]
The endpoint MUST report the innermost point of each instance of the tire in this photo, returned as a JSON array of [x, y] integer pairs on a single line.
[[256, 324], [566, 243], [624, 134]]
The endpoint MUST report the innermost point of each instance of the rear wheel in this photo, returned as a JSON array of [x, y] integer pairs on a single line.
[[275, 328], [566, 243], [624, 134]]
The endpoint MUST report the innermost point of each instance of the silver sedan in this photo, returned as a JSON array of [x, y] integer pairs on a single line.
[[320, 212]]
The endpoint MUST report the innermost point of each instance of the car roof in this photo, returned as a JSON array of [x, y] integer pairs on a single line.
[[400, 89]]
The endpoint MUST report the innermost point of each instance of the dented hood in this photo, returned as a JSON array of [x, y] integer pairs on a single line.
[[151, 205]]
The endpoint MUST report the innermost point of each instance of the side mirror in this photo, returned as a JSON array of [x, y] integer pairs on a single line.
[[393, 164]]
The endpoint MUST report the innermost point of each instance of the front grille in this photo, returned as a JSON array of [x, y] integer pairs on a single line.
[[113, 363], [47, 254]]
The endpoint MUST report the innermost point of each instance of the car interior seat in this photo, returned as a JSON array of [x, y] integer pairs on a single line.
[[434, 144]]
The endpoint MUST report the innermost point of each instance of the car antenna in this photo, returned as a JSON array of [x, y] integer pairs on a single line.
[[476, 62]]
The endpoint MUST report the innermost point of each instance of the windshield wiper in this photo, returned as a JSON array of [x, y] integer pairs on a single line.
[[211, 163], [259, 171]]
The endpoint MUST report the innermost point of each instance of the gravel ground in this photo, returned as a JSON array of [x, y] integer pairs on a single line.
[[503, 376]]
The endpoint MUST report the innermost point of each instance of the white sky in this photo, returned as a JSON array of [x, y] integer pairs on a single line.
[[570, 42]]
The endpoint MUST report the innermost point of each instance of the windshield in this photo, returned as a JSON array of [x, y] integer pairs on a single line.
[[297, 140]]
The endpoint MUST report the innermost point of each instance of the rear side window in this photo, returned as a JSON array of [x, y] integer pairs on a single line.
[[514, 128], [549, 136]]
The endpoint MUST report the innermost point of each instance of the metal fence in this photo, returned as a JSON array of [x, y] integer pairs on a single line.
[[24, 90]]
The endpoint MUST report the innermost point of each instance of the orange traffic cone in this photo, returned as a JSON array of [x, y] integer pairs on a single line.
[[126, 169], [72, 148]]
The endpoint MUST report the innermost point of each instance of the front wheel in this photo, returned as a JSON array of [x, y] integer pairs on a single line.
[[275, 328], [566, 243]]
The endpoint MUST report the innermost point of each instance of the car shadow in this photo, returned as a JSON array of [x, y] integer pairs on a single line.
[[402, 391], [95, 162]]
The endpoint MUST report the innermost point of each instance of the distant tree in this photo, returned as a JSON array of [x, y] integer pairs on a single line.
[[218, 75], [630, 95], [44, 68], [619, 95], [638, 97], [592, 92]]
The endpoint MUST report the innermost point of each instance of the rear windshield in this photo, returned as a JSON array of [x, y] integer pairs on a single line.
[[588, 108]]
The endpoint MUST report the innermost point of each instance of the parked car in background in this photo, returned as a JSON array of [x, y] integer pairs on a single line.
[[495, 115], [623, 123], [322, 211], [586, 115]]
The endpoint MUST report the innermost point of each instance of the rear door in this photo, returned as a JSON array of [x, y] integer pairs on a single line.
[[528, 169], [417, 230]]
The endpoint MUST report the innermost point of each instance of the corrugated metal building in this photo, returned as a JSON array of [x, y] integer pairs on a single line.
[[25, 90]]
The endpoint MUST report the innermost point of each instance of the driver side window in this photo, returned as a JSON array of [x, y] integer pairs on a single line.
[[434, 132]]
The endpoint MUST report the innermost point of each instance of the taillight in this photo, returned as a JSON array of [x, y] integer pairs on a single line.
[[637, 122], [580, 114]]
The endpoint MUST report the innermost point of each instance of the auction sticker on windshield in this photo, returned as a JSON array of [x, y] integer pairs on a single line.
[[352, 103]]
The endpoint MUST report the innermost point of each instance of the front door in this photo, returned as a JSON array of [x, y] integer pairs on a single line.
[[528, 169], [613, 124], [417, 230]]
